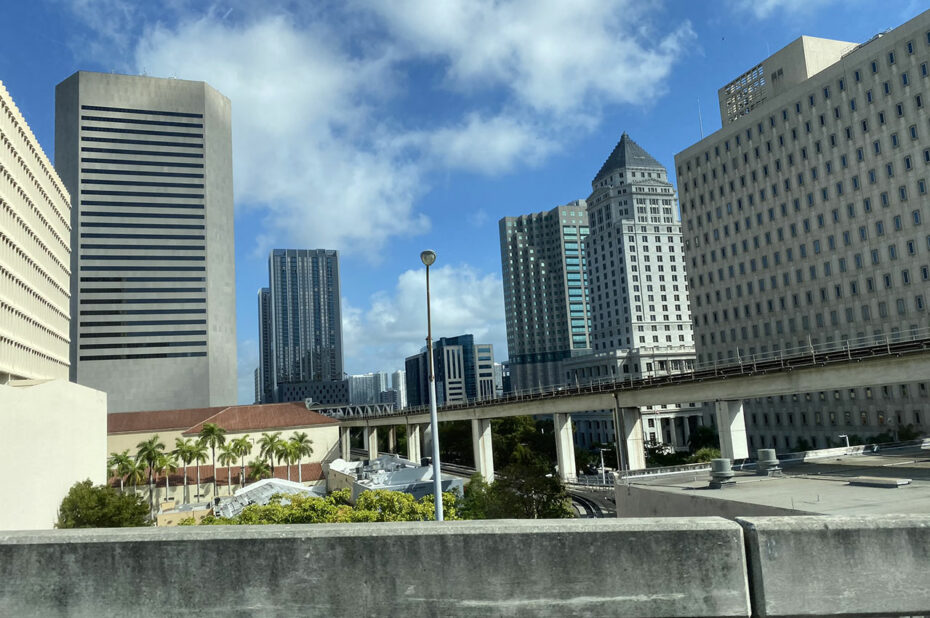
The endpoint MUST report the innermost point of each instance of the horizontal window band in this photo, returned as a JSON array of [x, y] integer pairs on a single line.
[[145, 236], [148, 112], [141, 301], [140, 290], [147, 153], [154, 344], [147, 247], [135, 279], [190, 311], [141, 215], [164, 226], [109, 268], [146, 258], [141, 163], [154, 333], [140, 204], [138, 173], [142, 132], [141, 356], [108, 357], [159, 123], [141, 183], [143, 323], [198, 196], [139, 142]]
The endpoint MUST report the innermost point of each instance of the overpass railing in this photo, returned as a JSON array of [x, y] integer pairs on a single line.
[[809, 355]]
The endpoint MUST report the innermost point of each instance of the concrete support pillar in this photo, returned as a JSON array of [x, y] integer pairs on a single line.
[[413, 443], [481, 443], [672, 432], [371, 434], [345, 451], [631, 434], [392, 439], [565, 446], [731, 425]]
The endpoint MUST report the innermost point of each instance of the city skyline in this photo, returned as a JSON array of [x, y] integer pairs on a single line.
[[470, 134]]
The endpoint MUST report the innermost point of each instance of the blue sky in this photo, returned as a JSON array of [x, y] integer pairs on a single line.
[[383, 128]]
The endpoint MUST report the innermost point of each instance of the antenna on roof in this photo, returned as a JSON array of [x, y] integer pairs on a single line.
[[700, 119]]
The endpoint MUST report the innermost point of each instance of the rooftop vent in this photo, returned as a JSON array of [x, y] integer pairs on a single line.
[[767, 464], [721, 473]]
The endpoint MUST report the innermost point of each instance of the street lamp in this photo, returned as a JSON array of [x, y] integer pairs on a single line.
[[428, 257], [603, 469]]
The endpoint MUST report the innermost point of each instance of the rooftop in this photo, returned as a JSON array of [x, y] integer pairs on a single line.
[[820, 486], [627, 153]]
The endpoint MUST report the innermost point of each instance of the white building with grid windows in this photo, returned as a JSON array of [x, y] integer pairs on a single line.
[[637, 287], [805, 223]]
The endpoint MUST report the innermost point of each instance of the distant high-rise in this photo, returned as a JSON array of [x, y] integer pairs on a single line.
[[148, 163], [264, 380], [301, 322], [35, 265], [464, 370], [545, 295]]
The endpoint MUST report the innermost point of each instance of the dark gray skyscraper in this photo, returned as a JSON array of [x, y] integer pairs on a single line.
[[305, 316], [264, 383], [148, 163]]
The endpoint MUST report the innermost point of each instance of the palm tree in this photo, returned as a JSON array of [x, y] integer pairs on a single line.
[[289, 455], [227, 458], [148, 453], [258, 469], [213, 436], [182, 450], [304, 448], [121, 464], [242, 446], [198, 455], [168, 464], [135, 474], [270, 447]]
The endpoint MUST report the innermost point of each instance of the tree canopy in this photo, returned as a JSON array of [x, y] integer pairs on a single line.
[[98, 506]]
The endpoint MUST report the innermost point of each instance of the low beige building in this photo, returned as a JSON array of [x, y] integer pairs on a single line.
[[127, 430]]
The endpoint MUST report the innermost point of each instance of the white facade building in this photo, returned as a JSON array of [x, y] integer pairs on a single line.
[[637, 286], [35, 255], [806, 223]]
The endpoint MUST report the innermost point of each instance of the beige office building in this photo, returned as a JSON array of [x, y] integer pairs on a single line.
[[35, 255], [35, 397], [806, 223]]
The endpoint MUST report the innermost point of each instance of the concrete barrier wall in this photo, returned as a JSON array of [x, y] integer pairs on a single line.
[[797, 566], [486, 568]]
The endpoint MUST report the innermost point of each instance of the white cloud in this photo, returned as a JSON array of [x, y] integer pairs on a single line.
[[463, 301], [316, 93], [553, 56], [763, 9], [301, 130]]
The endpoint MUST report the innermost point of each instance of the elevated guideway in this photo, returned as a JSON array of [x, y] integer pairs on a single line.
[[874, 361]]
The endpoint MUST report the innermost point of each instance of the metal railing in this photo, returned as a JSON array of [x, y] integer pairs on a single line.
[[784, 359]]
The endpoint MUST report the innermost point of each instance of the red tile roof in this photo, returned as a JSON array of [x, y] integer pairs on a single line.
[[264, 417], [158, 420]]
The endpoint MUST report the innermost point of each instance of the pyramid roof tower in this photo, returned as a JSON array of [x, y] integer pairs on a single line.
[[627, 153]]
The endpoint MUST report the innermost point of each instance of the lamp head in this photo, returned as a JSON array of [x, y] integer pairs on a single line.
[[428, 257]]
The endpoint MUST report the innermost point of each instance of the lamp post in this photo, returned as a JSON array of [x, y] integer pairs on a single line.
[[603, 469], [428, 257]]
